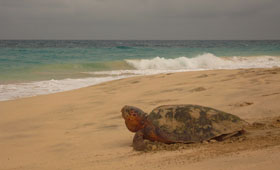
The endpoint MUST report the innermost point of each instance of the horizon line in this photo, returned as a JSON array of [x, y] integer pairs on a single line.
[[139, 39]]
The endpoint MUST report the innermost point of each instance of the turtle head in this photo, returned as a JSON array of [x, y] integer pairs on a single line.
[[134, 118]]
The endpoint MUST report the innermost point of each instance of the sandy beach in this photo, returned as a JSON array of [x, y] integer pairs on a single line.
[[83, 129]]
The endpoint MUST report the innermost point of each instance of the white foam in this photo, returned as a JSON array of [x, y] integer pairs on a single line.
[[156, 65], [134, 72], [20, 90], [206, 61]]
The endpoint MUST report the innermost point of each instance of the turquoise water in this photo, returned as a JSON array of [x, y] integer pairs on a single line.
[[43, 60], [38, 61]]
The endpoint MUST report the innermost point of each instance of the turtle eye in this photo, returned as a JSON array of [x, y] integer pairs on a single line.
[[132, 114]]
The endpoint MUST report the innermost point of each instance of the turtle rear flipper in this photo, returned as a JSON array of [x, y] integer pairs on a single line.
[[227, 136]]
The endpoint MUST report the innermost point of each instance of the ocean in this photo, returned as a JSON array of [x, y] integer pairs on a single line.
[[36, 67]]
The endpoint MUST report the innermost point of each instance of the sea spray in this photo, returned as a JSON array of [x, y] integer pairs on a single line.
[[205, 61]]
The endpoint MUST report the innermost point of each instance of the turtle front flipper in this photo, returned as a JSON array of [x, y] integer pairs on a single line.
[[138, 141]]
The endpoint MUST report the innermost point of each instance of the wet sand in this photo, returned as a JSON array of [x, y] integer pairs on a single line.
[[83, 129]]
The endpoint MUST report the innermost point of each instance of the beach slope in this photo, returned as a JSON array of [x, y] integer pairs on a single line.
[[83, 129]]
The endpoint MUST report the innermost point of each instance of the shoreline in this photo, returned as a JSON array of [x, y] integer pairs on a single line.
[[47, 81], [83, 129], [38, 88]]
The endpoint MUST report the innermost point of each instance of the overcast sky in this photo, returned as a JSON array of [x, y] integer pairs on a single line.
[[140, 19]]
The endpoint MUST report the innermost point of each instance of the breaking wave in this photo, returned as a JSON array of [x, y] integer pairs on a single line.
[[206, 61], [136, 67]]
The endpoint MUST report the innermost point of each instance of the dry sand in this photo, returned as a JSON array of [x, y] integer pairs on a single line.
[[83, 129]]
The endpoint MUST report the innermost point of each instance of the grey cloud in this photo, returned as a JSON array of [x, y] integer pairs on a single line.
[[139, 19]]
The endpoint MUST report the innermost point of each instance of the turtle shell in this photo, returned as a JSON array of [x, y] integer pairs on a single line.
[[192, 123]]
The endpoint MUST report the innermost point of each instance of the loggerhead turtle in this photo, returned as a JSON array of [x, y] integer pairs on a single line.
[[180, 124]]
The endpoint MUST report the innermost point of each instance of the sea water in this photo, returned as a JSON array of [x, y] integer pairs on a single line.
[[34, 67]]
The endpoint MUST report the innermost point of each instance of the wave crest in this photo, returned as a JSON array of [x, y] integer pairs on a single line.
[[205, 61], [142, 67]]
